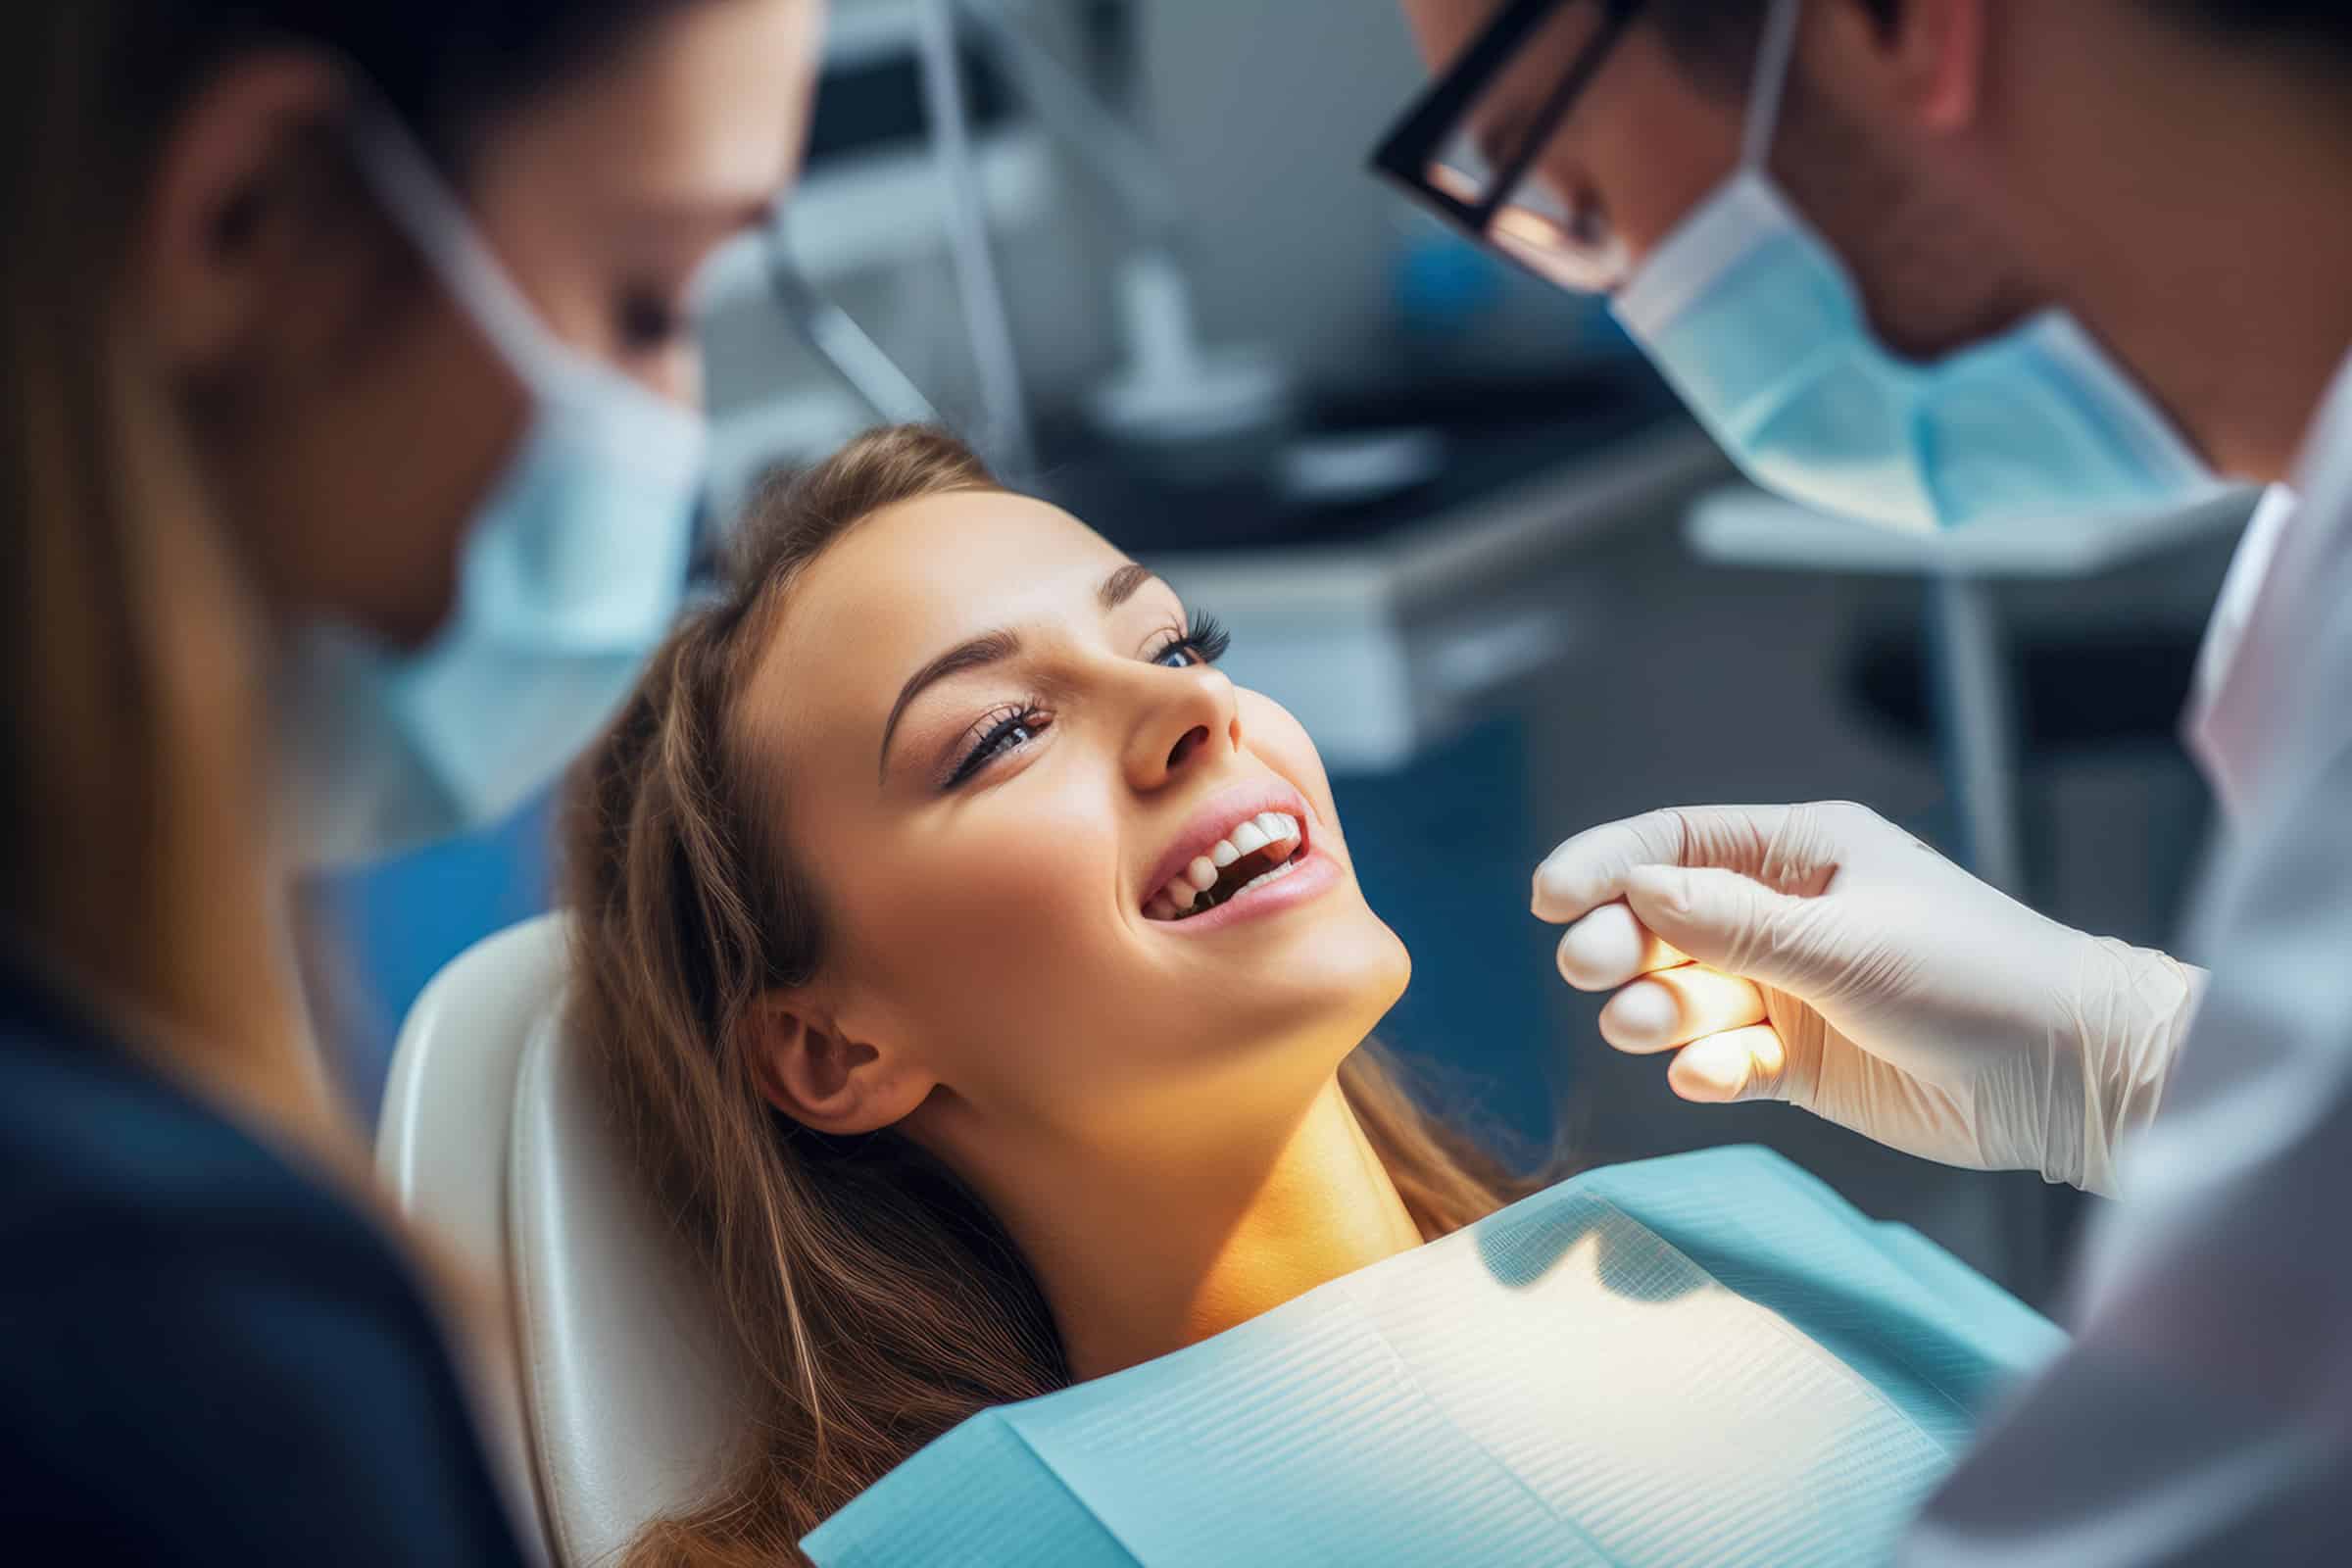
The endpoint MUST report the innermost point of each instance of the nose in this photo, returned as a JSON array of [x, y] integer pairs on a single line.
[[1184, 718]]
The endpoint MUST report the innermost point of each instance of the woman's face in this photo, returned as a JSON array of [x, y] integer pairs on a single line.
[[367, 421], [996, 745]]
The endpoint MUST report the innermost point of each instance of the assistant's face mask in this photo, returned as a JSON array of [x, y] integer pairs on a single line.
[[573, 569], [1752, 317]]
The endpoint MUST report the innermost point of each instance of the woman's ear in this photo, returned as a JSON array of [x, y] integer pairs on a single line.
[[252, 183], [824, 1077]]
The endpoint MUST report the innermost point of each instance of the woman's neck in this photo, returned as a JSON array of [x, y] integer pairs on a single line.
[[1147, 1258]]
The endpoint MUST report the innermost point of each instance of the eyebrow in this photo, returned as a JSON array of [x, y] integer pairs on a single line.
[[1121, 585], [995, 648]]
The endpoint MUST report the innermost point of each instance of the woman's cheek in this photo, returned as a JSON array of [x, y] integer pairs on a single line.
[[1005, 953], [1029, 886]]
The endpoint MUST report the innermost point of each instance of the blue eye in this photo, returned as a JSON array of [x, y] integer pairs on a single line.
[[1204, 642]]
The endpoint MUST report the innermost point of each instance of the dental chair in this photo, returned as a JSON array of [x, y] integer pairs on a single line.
[[621, 1402]]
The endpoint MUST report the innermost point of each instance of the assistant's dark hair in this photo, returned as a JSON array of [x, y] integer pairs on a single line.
[[443, 65]]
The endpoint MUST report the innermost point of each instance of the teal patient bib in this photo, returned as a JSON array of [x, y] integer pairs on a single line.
[[1710, 1359]]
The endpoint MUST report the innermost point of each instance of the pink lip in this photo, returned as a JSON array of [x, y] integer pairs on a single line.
[[1218, 816]]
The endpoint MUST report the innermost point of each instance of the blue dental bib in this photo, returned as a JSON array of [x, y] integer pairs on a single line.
[[1710, 1358]]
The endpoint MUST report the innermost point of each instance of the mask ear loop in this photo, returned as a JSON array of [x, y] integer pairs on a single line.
[[1774, 53], [435, 221]]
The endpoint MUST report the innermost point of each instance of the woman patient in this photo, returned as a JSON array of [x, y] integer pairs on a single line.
[[985, 975]]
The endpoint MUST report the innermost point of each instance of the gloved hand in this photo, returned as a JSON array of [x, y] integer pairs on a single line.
[[1822, 955]]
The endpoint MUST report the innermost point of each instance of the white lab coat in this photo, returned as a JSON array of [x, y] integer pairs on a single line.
[[2204, 1412]]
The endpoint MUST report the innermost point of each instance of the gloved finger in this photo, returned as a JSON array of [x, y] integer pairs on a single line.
[[1726, 921], [1737, 1064], [1609, 946], [1591, 869], [1677, 1005]]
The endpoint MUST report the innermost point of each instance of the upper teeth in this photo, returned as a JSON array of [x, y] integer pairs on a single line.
[[1187, 886]]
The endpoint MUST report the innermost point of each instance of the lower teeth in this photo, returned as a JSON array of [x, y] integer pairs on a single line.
[[1283, 869]]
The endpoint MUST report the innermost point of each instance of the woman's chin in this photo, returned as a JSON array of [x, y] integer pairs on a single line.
[[1393, 975], [1268, 1045], [1346, 975]]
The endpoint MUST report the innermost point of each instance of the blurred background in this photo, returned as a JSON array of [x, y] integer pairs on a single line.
[[1130, 248]]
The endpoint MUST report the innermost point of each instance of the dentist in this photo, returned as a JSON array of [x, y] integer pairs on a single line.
[[1932, 263], [348, 462]]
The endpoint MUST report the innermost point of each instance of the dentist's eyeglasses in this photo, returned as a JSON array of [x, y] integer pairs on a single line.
[[1468, 149]]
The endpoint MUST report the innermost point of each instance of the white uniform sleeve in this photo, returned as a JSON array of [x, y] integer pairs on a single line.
[[2204, 1413]]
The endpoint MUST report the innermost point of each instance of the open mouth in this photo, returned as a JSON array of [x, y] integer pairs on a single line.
[[1253, 853]]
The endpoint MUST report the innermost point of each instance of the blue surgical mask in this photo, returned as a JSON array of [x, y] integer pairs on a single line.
[[1752, 317], [572, 571]]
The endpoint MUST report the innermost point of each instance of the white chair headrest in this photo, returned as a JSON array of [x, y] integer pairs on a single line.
[[496, 1132]]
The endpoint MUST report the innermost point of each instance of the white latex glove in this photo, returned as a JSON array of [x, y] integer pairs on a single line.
[[1843, 966]]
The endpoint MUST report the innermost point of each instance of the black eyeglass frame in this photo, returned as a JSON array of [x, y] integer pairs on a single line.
[[1406, 153]]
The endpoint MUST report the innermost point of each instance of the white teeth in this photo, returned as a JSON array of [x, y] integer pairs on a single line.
[[1189, 885], [1282, 870], [1172, 901]]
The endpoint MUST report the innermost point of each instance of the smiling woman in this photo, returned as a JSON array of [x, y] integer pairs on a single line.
[[956, 1107], [1033, 1069]]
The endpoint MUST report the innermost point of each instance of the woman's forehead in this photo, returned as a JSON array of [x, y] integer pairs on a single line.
[[912, 581], [925, 574]]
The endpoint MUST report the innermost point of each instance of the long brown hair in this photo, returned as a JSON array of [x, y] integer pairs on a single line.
[[876, 1302]]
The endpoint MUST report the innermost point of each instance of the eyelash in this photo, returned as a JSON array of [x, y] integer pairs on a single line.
[[1206, 639], [1203, 641], [998, 726]]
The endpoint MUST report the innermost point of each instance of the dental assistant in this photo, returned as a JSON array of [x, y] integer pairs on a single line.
[[349, 458], [1937, 263]]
